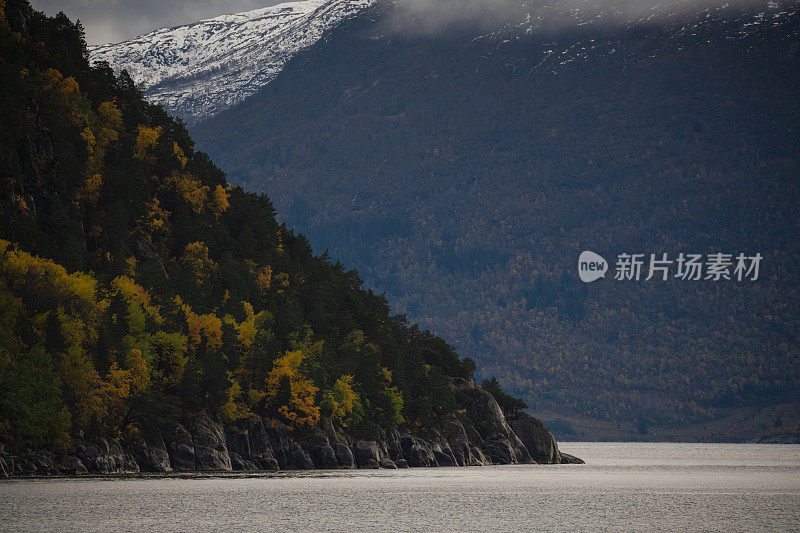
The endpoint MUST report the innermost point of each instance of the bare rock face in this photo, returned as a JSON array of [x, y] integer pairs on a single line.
[[322, 453], [210, 447], [537, 439], [299, 459], [393, 445], [242, 464], [478, 435], [35, 462], [261, 452], [129, 464], [456, 436], [501, 452], [501, 443], [238, 442], [341, 450], [153, 457], [417, 452], [7, 464], [388, 463], [344, 455], [102, 458], [478, 458], [443, 459], [181, 450], [278, 435], [567, 459], [124, 462], [366, 454], [72, 466]]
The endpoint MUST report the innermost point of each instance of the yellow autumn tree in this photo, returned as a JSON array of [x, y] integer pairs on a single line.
[[201, 328], [196, 259], [236, 406], [178, 151], [112, 393], [218, 203], [136, 294], [291, 391], [342, 402], [138, 373], [264, 279], [103, 130], [246, 330], [74, 292], [188, 187], [154, 223], [146, 140]]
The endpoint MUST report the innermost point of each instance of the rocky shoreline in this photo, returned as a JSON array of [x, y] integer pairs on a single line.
[[477, 435]]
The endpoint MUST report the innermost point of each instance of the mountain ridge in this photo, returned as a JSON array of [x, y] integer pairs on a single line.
[[465, 182], [196, 85], [462, 170]]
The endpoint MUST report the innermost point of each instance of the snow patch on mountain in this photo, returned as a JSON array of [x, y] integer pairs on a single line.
[[571, 36], [197, 70]]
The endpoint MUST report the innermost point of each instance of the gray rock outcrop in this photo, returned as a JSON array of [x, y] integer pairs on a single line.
[[299, 459], [498, 440], [366, 454], [72, 466], [537, 439], [417, 452], [322, 453], [210, 446], [261, 452], [153, 457], [477, 434], [181, 450]]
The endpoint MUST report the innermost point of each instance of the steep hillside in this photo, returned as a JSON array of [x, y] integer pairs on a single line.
[[154, 317], [464, 172]]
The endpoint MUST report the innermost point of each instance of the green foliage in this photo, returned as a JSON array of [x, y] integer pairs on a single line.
[[30, 401], [468, 186], [342, 403], [137, 286]]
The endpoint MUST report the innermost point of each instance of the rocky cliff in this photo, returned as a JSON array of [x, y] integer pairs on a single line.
[[477, 435]]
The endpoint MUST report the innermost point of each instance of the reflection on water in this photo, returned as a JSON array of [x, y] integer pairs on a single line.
[[623, 486]]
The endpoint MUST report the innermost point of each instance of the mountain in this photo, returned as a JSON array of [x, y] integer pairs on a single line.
[[199, 69], [463, 169], [153, 317]]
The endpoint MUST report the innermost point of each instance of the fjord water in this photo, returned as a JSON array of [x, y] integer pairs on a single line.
[[623, 486]]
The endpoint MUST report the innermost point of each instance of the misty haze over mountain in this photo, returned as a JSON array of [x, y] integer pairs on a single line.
[[427, 16]]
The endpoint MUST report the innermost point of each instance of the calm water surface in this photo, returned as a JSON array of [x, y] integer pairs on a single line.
[[624, 486]]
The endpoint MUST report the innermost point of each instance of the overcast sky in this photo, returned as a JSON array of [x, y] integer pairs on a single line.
[[110, 21]]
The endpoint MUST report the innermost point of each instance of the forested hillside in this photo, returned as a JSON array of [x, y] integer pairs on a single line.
[[138, 288], [464, 172]]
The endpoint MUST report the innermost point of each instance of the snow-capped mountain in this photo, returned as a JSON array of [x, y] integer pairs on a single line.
[[199, 69], [593, 28]]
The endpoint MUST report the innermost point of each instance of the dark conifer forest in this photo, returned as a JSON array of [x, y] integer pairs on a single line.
[[464, 172], [139, 288]]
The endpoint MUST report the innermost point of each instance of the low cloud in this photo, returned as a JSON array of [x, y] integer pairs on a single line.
[[436, 16], [116, 20]]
